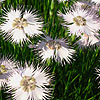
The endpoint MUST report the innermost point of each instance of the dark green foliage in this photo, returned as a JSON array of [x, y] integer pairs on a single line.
[[75, 81]]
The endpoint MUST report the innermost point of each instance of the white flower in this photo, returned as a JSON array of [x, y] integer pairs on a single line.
[[62, 0], [87, 40], [18, 26], [81, 21], [83, 4], [96, 1], [1, 1], [97, 70], [29, 84], [56, 48], [95, 5], [6, 68]]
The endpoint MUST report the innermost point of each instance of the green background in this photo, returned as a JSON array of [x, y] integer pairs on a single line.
[[75, 81]]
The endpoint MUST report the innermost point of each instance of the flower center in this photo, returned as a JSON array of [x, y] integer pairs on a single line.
[[79, 21], [2, 69], [51, 44], [28, 83], [20, 23]]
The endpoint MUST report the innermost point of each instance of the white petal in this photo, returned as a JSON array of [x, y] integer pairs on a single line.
[[34, 26], [65, 53], [38, 94], [18, 35], [33, 30], [61, 0], [7, 26], [96, 1], [93, 40], [47, 53], [13, 14], [28, 72], [14, 80], [40, 77], [21, 95]]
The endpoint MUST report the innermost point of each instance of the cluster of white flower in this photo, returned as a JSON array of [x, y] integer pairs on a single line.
[[29, 83], [17, 26], [83, 21], [26, 83]]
